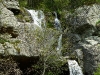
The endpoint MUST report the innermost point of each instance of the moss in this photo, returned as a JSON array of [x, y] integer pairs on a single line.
[[97, 71], [23, 3], [98, 22], [23, 16], [2, 40]]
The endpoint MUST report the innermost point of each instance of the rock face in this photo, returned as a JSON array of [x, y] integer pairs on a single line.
[[91, 54], [11, 4], [28, 40], [85, 15], [7, 17], [21, 38], [85, 23], [16, 34]]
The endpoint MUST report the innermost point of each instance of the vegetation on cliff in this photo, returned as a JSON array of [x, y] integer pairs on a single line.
[[97, 71], [56, 5], [49, 63]]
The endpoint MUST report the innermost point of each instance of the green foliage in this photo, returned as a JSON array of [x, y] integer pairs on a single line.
[[73, 4], [98, 1], [97, 71], [22, 3], [98, 22], [55, 5], [23, 16], [76, 3], [50, 62], [2, 40]]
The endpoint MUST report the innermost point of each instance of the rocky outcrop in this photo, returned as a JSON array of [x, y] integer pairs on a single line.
[[16, 37], [85, 15], [7, 17], [91, 54], [21, 38], [25, 42], [85, 23], [13, 5]]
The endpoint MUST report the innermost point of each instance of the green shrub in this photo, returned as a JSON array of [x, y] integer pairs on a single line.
[[97, 71], [98, 22], [22, 3], [2, 40]]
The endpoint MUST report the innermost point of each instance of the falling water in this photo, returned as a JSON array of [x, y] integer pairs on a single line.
[[74, 68], [37, 17], [57, 23], [59, 47]]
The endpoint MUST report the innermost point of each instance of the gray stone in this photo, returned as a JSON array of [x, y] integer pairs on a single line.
[[7, 17], [85, 15], [14, 4], [91, 58], [79, 53], [10, 49], [27, 44], [1, 49], [91, 54], [84, 23]]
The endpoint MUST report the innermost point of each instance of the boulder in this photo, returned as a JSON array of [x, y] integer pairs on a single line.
[[91, 54], [91, 58], [17, 38], [85, 22], [22, 38], [14, 4], [7, 17], [85, 15]]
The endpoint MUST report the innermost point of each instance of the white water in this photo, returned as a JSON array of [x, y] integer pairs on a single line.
[[58, 27], [74, 68], [37, 17], [59, 47], [57, 22]]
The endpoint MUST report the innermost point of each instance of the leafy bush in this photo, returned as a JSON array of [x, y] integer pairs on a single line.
[[56, 5], [22, 3], [97, 71], [98, 22], [46, 42], [3, 40]]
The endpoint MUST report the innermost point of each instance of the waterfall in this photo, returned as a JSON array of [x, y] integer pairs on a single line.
[[59, 47], [38, 17], [74, 68], [57, 23]]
